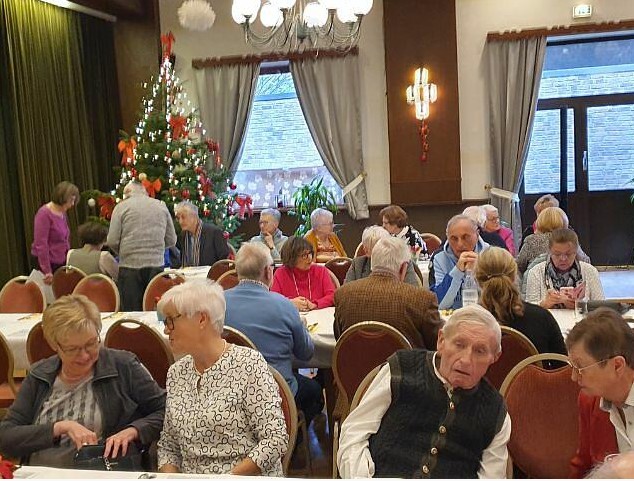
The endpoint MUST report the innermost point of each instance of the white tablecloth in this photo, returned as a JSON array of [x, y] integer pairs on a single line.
[[424, 270], [198, 272], [41, 472]]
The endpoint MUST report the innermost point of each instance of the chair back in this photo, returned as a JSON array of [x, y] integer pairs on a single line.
[[419, 274], [432, 241], [65, 279], [37, 347], [543, 406], [148, 345], [232, 251], [515, 348], [334, 279], [159, 285], [219, 268], [237, 337], [228, 280], [21, 295], [339, 267], [6, 365], [101, 290], [289, 408], [360, 250]]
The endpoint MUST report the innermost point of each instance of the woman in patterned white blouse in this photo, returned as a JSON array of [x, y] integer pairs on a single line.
[[223, 413]]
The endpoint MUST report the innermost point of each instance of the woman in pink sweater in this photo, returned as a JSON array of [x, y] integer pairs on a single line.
[[307, 285]]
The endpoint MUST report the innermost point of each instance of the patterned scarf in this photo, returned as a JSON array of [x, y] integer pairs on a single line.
[[557, 280], [191, 247]]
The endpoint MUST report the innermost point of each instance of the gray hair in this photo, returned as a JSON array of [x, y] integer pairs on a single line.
[[133, 188], [474, 314], [318, 214], [389, 254], [273, 213], [251, 260], [199, 295], [490, 208], [476, 213], [458, 218], [371, 236], [186, 206]]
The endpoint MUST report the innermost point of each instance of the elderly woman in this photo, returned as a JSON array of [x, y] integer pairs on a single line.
[[306, 284], [394, 220], [477, 214], [83, 395], [325, 243], [90, 258], [223, 412], [51, 234], [360, 266], [492, 224], [545, 201], [562, 278], [496, 273]]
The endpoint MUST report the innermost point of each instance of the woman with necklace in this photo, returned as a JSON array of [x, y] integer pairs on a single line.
[[306, 284]]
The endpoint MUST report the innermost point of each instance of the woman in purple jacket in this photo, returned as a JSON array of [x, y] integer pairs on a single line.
[[51, 232]]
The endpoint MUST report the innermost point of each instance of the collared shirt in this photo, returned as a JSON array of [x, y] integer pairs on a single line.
[[354, 458], [278, 242], [624, 432]]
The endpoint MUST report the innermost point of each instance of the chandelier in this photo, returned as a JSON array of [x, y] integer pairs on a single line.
[[298, 24]]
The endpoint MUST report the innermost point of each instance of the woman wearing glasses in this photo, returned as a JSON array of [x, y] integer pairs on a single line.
[[83, 395], [325, 243], [306, 284], [558, 281]]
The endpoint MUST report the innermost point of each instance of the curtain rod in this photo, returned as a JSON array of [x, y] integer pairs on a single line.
[[81, 9], [610, 26]]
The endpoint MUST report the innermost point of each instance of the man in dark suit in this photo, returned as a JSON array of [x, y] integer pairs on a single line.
[[384, 297], [200, 243]]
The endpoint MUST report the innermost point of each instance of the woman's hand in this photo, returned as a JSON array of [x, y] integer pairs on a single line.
[[120, 441], [301, 303], [310, 305], [168, 468], [553, 297], [79, 434], [48, 278], [246, 467]]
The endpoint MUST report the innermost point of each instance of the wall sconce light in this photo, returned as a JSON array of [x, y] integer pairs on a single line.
[[422, 94]]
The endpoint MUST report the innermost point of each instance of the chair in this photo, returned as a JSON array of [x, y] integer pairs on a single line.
[[419, 275], [228, 280], [339, 267], [65, 279], [8, 389], [515, 348], [232, 335], [101, 290], [289, 408], [360, 250], [232, 251], [37, 347], [219, 268], [158, 286], [334, 279], [432, 240], [21, 295], [148, 345], [543, 406]]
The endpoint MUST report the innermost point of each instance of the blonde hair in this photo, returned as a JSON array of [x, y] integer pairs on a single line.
[[495, 272], [68, 315], [550, 219]]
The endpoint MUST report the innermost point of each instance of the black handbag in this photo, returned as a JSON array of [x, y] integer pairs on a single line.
[[91, 457]]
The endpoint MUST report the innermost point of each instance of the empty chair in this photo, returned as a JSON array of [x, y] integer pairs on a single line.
[[432, 240], [148, 345], [21, 295], [229, 279], [65, 280], [515, 348], [289, 408], [234, 336], [101, 290], [219, 268], [37, 347], [159, 284], [339, 267], [8, 389]]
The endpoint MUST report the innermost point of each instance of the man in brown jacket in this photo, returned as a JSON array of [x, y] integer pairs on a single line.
[[384, 297]]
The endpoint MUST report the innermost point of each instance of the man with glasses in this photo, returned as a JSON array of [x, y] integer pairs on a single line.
[[601, 354], [270, 235]]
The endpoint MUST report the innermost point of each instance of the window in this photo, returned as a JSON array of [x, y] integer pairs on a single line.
[[279, 154]]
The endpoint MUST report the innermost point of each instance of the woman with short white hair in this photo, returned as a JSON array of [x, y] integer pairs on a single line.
[[493, 224], [326, 244]]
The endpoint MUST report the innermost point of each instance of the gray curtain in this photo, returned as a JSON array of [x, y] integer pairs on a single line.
[[328, 92], [226, 93], [514, 73]]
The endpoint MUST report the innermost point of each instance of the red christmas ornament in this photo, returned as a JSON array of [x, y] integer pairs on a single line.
[[185, 194], [133, 173], [233, 186], [225, 234]]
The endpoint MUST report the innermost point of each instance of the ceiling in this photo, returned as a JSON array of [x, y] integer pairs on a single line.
[[124, 9]]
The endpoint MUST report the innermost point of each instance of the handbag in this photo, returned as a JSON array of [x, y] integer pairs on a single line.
[[91, 457]]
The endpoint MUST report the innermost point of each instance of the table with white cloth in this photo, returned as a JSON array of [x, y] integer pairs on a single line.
[[43, 472], [189, 273]]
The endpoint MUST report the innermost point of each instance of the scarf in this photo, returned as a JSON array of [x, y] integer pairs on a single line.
[[557, 280], [191, 247]]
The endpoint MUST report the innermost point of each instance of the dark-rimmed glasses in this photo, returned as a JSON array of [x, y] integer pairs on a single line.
[[169, 321]]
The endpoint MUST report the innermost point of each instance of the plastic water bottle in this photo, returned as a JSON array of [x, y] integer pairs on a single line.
[[469, 289]]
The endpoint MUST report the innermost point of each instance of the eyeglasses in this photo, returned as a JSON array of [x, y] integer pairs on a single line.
[[579, 370], [565, 255], [306, 255], [89, 347], [169, 321]]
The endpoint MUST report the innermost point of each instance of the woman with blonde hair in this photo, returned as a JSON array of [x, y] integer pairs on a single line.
[[496, 273]]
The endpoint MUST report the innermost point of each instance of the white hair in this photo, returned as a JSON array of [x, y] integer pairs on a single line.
[[476, 213], [389, 254], [319, 213], [273, 213], [199, 295], [251, 260], [188, 206], [473, 314], [371, 236], [133, 188], [458, 218], [490, 208]]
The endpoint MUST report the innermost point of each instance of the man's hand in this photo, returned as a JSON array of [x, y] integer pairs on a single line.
[[268, 240], [80, 435], [467, 260], [121, 440]]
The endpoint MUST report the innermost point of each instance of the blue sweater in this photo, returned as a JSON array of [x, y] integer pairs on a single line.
[[272, 322]]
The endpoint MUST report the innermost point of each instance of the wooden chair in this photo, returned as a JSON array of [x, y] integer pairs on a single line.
[[8, 389], [543, 406], [65, 279], [334, 279], [37, 347], [237, 337], [159, 285], [289, 408], [232, 251], [360, 250], [515, 348], [228, 280], [21, 295], [219, 268], [148, 345], [339, 267], [419, 274], [101, 290], [432, 240]]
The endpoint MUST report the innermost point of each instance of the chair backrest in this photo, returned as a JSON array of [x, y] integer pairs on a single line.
[[543, 406], [234, 336], [37, 347], [219, 268], [148, 345], [289, 408], [232, 251], [432, 240], [419, 274], [339, 267], [334, 279], [360, 250], [65, 279], [228, 280], [515, 348], [21, 295], [159, 285], [360, 349], [101, 290], [363, 387], [6, 364]]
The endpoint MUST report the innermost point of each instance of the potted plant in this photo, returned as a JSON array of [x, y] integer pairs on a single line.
[[309, 197]]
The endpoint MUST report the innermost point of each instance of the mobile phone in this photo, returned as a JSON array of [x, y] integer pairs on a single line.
[[568, 292]]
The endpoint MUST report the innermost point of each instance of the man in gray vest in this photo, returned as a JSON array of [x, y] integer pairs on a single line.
[[430, 414]]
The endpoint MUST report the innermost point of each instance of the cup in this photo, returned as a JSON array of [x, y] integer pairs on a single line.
[[581, 308]]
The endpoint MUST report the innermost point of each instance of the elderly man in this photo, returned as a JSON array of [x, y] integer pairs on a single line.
[[200, 243], [430, 414], [140, 230], [383, 296], [270, 235], [459, 253], [272, 322]]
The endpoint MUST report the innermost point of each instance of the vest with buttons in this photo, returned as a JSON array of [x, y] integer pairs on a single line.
[[428, 432]]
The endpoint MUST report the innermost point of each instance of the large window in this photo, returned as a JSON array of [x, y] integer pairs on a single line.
[[279, 154]]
